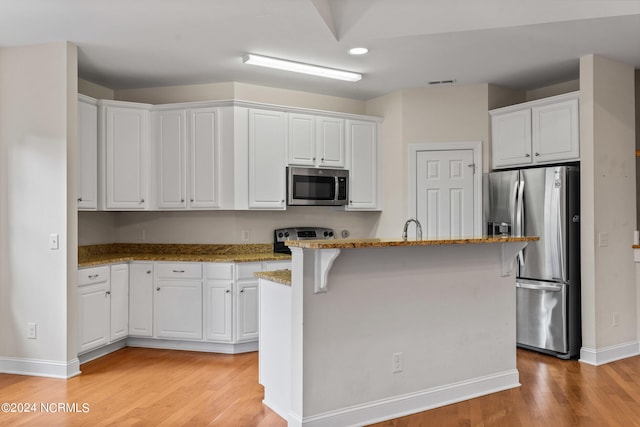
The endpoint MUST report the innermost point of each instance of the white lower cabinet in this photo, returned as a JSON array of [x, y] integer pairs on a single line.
[[93, 314], [178, 301], [215, 303], [119, 304], [103, 295], [141, 299], [218, 297], [246, 320]]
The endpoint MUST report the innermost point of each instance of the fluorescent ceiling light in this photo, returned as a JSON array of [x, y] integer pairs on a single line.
[[299, 67]]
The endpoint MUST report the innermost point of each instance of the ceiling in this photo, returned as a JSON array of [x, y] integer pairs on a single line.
[[126, 44]]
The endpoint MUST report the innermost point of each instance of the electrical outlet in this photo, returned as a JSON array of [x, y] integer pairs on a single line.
[[244, 235], [396, 363], [616, 319], [31, 331]]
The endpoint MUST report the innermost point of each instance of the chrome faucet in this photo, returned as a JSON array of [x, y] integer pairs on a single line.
[[418, 229]]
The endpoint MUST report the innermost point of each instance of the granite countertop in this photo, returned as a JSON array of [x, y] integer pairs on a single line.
[[94, 255], [381, 243], [280, 276]]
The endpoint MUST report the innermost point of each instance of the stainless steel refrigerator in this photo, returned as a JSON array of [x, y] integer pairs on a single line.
[[544, 202]]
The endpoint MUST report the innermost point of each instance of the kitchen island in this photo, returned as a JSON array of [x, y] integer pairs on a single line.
[[375, 329]]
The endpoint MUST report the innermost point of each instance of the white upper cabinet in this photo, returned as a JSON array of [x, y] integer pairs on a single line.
[[362, 149], [302, 139], [87, 153], [170, 143], [228, 155], [330, 142], [315, 141], [555, 131], [124, 146], [537, 132], [188, 158], [511, 138], [267, 142], [204, 152]]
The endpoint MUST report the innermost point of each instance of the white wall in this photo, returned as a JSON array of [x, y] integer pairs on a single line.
[[421, 115], [220, 227], [244, 92], [608, 203], [37, 142]]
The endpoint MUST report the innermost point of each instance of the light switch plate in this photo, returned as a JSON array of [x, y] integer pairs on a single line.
[[54, 242]]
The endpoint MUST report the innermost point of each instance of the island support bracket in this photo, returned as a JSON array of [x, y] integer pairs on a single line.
[[323, 259]]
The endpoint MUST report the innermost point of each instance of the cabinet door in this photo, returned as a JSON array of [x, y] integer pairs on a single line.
[[170, 141], [330, 142], [555, 132], [362, 143], [125, 136], [302, 139], [247, 312], [178, 309], [204, 174], [119, 310], [511, 138], [87, 155], [141, 299], [267, 142], [93, 316], [218, 313]]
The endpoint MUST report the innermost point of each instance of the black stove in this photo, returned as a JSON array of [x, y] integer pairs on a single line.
[[298, 233]]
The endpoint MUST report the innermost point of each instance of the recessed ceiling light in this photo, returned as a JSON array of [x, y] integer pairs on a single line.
[[300, 67], [358, 51]]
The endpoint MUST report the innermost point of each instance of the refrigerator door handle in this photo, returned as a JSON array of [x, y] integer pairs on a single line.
[[520, 217], [540, 287], [513, 203], [554, 232]]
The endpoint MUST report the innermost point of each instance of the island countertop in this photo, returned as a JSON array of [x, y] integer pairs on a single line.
[[383, 242]]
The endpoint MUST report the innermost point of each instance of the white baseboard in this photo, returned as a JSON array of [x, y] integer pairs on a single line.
[[102, 351], [399, 406], [211, 347], [612, 353], [40, 368]]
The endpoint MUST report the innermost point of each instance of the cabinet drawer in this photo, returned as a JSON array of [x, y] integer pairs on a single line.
[[90, 276], [186, 270], [218, 270], [247, 270], [277, 265]]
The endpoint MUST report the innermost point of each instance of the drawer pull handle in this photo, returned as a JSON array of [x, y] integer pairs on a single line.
[[178, 271], [93, 276]]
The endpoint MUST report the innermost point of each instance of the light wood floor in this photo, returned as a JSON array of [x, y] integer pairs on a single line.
[[148, 387]]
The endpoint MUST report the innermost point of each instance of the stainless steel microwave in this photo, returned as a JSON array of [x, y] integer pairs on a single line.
[[317, 187]]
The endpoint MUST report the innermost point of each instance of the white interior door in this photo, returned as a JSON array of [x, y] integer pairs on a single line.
[[445, 193]]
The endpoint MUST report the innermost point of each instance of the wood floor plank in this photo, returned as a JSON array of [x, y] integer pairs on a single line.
[[151, 387]]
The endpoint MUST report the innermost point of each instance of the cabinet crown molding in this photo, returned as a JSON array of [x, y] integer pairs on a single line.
[[536, 103]]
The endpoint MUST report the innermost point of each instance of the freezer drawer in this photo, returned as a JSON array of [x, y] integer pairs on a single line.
[[542, 316]]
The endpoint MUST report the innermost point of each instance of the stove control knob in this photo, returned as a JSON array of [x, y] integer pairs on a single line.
[[286, 234]]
